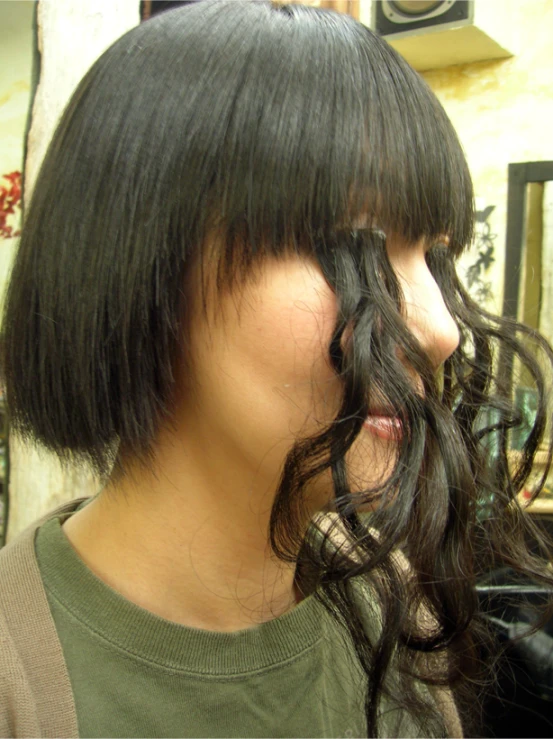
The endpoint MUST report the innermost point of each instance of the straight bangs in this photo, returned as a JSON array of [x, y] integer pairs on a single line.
[[340, 134]]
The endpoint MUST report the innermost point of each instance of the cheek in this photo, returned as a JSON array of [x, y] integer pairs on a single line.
[[264, 380], [288, 361], [262, 372]]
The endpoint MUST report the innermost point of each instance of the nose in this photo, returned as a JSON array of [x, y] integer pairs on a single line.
[[426, 313], [430, 321]]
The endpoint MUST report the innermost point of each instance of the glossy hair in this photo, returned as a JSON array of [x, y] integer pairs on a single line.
[[277, 127]]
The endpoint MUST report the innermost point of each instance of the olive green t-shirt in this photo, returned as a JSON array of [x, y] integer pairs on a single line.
[[134, 674]]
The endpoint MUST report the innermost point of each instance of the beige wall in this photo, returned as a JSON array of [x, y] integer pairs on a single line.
[[503, 112], [16, 42]]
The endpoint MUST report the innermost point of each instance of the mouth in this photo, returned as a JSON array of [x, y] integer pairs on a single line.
[[384, 426]]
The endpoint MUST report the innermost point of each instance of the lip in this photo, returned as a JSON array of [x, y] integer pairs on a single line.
[[385, 427]]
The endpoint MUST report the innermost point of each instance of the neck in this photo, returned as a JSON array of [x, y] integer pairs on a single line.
[[188, 546]]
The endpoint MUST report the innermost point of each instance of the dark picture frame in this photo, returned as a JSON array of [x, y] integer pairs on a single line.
[[520, 175]]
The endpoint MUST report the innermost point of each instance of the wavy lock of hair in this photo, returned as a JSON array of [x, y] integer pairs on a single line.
[[450, 504]]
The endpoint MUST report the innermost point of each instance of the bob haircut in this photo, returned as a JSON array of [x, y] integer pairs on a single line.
[[278, 127], [271, 124]]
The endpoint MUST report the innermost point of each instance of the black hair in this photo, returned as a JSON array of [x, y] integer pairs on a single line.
[[277, 126]]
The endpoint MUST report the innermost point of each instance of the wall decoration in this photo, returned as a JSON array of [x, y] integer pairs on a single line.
[[10, 205], [475, 274]]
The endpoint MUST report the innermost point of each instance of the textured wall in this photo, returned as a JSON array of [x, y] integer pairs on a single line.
[[16, 42], [503, 112], [15, 79]]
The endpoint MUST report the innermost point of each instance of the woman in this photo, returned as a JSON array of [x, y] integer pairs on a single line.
[[235, 298]]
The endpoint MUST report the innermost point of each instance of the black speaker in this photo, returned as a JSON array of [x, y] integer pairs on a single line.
[[150, 8], [402, 16]]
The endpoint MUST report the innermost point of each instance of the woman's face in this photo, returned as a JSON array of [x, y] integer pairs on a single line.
[[262, 374]]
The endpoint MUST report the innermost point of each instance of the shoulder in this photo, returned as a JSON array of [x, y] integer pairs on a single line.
[[21, 587], [22, 591], [17, 705], [30, 652]]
